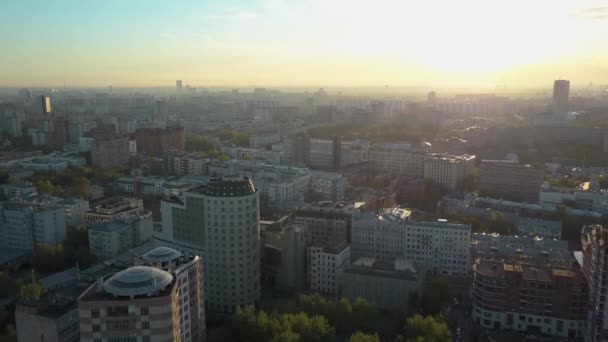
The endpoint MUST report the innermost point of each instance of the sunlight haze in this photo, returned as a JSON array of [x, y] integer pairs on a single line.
[[295, 43]]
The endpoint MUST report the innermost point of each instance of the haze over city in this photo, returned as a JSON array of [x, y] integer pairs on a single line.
[[471, 43], [303, 171]]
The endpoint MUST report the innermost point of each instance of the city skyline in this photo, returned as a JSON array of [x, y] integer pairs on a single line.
[[303, 43]]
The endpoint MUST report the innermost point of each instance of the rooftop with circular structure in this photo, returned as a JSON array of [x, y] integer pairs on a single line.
[[230, 186], [162, 254], [137, 281]]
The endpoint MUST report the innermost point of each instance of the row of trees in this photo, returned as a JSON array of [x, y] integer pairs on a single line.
[[251, 326], [433, 298], [75, 181], [235, 137], [346, 316]]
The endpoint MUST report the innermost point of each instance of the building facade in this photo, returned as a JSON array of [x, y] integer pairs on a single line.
[[325, 266], [509, 180], [221, 219], [109, 239], [144, 303], [529, 296], [594, 240], [27, 226]]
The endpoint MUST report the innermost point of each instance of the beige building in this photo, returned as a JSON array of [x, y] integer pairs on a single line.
[[112, 208], [159, 300]]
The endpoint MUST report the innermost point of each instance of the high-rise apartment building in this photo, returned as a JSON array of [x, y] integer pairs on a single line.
[[594, 240], [160, 299], [178, 85], [561, 93], [221, 219], [45, 105]]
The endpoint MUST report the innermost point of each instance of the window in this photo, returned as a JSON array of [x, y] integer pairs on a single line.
[[96, 327], [144, 310], [145, 325], [95, 313]]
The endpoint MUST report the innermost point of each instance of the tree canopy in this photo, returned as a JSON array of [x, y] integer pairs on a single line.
[[346, 316], [362, 337], [427, 329], [252, 326]]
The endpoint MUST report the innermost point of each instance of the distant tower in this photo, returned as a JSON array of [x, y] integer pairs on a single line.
[[161, 111], [431, 96], [337, 152], [45, 105], [561, 92], [178, 85]]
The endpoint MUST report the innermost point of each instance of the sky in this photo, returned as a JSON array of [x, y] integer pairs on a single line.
[[483, 43]]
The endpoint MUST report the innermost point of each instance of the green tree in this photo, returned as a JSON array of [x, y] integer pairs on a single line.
[[427, 329], [603, 181], [435, 296], [8, 285], [30, 291], [45, 187], [362, 337], [82, 187]]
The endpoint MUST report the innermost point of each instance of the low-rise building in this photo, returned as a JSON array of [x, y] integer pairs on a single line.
[[325, 266], [26, 226], [109, 239], [184, 164], [53, 317], [111, 208], [328, 223], [382, 284], [580, 198], [510, 246]]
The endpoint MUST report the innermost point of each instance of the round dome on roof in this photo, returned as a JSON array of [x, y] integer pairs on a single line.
[[162, 254], [137, 281]]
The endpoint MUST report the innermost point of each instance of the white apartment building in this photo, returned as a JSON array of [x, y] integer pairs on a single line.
[[109, 239], [449, 171], [439, 247], [26, 226], [325, 267], [397, 160]]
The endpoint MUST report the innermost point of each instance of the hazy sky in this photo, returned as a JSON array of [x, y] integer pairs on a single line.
[[309, 42]]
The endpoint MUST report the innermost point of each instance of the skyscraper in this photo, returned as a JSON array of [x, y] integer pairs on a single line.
[[178, 85], [561, 92], [45, 105]]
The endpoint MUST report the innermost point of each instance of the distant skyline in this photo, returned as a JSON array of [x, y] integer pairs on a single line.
[[472, 43]]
